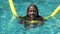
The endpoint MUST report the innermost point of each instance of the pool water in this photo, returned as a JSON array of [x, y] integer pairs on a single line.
[[9, 23]]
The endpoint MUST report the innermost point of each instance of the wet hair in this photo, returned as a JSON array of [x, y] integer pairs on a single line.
[[33, 6], [38, 16]]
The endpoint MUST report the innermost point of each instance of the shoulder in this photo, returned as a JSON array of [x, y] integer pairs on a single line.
[[21, 20], [41, 18]]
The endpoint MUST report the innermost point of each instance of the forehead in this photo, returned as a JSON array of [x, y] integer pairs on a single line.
[[32, 7]]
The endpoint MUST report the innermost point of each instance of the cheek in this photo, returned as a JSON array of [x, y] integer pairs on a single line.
[[35, 13], [29, 13]]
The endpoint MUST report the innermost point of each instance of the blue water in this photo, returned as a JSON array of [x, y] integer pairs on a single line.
[[9, 23]]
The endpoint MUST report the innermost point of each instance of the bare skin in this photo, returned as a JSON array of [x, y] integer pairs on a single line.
[[32, 12]]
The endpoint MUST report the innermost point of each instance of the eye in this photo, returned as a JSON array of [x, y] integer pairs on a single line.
[[32, 10]]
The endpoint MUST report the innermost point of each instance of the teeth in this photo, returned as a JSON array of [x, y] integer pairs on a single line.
[[32, 14]]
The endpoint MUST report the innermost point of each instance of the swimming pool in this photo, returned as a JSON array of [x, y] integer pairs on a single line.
[[9, 23]]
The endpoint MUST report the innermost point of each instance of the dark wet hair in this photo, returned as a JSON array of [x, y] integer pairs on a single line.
[[34, 6], [38, 16]]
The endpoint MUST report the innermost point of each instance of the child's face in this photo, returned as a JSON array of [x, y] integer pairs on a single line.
[[32, 12]]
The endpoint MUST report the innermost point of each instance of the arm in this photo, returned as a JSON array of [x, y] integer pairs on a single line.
[[21, 21], [42, 21]]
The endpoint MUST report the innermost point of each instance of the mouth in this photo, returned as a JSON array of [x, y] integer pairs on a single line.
[[32, 15]]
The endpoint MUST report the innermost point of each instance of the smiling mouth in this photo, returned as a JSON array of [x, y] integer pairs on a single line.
[[32, 15]]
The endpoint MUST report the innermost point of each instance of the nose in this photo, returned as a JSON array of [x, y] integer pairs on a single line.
[[32, 11]]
